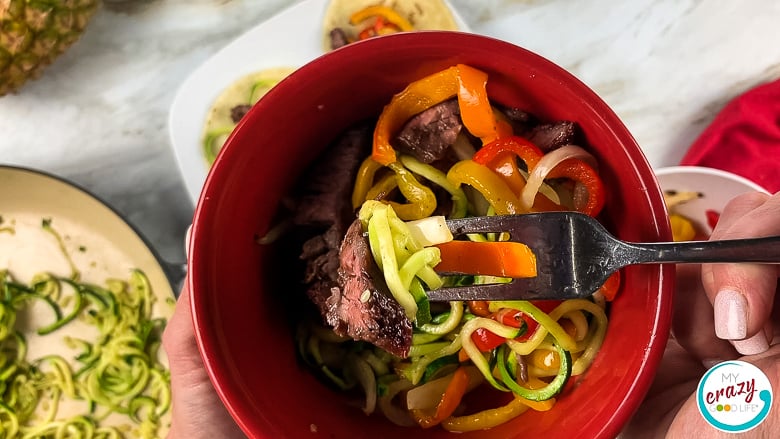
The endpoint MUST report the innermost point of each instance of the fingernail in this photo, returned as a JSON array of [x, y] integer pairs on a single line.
[[753, 345], [730, 315]]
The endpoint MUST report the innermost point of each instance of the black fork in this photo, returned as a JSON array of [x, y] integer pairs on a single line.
[[575, 255]]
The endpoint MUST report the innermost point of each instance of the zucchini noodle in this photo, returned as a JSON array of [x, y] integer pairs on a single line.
[[118, 372]]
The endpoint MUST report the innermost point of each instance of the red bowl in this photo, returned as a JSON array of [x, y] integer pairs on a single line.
[[243, 336]]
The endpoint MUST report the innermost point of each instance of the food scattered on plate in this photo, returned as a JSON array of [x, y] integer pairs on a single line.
[[347, 21], [233, 103], [197, 140], [684, 228]]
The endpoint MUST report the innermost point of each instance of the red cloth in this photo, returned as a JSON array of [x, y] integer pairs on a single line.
[[744, 138]]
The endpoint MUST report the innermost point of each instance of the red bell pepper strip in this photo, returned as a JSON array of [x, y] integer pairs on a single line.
[[522, 148], [611, 286], [583, 173], [712, 217], [487, 341]]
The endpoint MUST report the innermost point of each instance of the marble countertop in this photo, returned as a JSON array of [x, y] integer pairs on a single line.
[[98, 116]]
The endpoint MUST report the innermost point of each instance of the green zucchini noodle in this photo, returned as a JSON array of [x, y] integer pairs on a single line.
[[117, 371]]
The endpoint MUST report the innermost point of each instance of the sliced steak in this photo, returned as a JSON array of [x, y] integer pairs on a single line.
[[550, 136], [338, 263], [338, 38], [326, 193], [361, 307], [323, 212], [428, 135], [239, 111]]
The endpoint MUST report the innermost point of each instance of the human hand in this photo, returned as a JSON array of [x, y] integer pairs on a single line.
[[197, 411], [721, 312]]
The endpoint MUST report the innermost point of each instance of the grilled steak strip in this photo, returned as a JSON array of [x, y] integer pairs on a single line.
[[428, 135], [338, 263], [362, 307]]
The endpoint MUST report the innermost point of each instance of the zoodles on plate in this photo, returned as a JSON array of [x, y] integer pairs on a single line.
[[370, 220]]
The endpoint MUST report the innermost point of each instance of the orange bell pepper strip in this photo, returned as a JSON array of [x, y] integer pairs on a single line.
[[384, 16], [501, 258], [448, 403], [479, 308], [475, 109], [583, 173], [467, 83]]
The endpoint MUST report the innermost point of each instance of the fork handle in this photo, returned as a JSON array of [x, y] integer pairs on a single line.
[[759, 250]]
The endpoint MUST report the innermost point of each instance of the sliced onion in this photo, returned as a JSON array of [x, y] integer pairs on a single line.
[[393, 412], [545, 189], [430, 231], [545, 165], [365, 376]]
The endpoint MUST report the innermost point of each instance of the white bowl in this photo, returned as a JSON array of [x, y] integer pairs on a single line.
[[271, 38], [717, 188]]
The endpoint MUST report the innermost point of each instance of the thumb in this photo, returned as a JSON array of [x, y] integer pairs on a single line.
[[743, 294]]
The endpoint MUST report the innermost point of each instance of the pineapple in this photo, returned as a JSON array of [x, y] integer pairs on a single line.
[[34, 32]]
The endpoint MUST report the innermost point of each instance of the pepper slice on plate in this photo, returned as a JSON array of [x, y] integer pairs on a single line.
[[386, 21]]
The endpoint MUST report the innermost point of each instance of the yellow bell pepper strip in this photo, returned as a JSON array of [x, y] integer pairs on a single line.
[[465, 82], [382, 188], [486, 418], [499, 258], [583, 173], [682, 228], [448, 403], [422, 200], [385, 15], [488, 183], [493, 417], [364, 181]]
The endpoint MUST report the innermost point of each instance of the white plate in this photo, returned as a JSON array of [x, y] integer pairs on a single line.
[[270, 38], [98, 242], [716, 187]]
